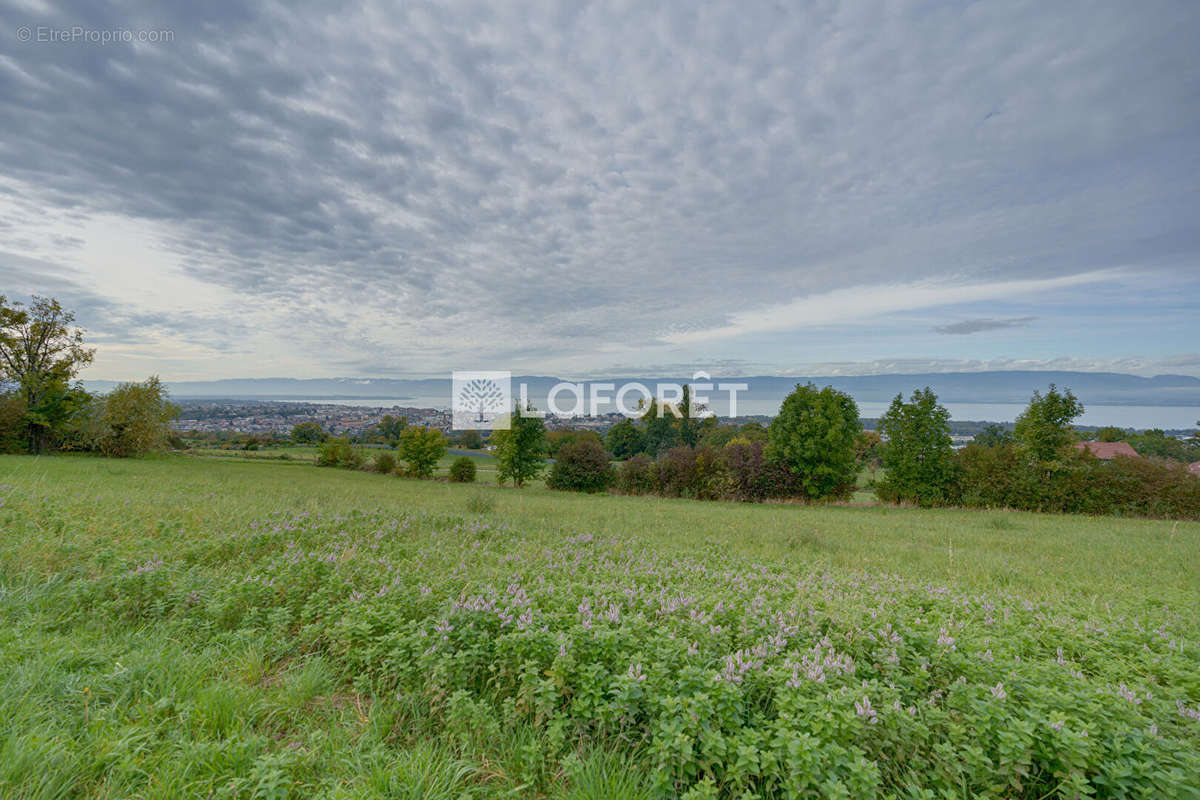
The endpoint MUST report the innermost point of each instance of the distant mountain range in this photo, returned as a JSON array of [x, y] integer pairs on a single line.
[[1092, 388]]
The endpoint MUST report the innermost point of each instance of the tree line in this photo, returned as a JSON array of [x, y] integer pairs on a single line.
[[42, 409], [815, 449]]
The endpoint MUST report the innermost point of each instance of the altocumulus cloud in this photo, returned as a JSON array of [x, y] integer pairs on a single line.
[[403, 188]]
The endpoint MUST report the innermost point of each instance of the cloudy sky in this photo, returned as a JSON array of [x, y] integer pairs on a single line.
[[752, 188]]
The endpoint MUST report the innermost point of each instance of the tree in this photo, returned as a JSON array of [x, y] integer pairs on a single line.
[[391, 428], [41, 350], [687, 425], [867, 447], [339, 452], [1044, 428], [1155, 442], [422, 448], [660, 432], [556, 440], [1110, 434], [470, 439], [919, 454], [717, 436], [519, 449], [813, 437], [624, 440], [993, 435], [581, 466], [308, 433], [135, 418]]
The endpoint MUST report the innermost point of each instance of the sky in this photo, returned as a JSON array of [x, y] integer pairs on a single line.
[[799, 188]]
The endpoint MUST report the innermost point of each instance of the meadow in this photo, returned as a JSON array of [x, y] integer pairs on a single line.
[[219, 627]]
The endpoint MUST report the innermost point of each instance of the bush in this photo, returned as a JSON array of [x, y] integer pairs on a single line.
[[422, 448], [1005, 477], [678, 473], [749, 476], [581, 466], [462, 470], [636, 475], [338, 452], [384, 463], [308, 433], [132, 419], [480, 503]]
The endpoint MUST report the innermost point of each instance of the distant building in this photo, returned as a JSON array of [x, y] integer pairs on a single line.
[[1107, 451], [1194, 468]]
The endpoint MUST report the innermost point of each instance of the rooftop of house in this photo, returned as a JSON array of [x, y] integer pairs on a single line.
[[1107, 451]]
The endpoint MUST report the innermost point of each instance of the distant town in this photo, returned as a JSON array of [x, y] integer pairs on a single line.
[[279, 417]]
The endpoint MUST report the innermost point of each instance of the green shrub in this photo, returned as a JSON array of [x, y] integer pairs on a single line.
[[384, 463], [338, 452], [480, 503], [750, 476], [1005, 477], [422, 448], [581, 465], [636, 475], [678, 473], [463, 470]]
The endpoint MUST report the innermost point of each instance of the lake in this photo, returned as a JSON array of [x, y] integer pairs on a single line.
[[751, 403]]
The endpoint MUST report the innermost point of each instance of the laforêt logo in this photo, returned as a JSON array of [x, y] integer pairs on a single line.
[[480, 400]]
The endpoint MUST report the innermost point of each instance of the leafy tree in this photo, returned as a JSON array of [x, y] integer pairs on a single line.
[[1044, 428], [392, 428], [581, 466], [308, 433], [813, 436], [867, 447], [470, 439], [754, 432], [12, 423], [687, 425], [919, 454], [519, 449], [1110, 434], [993, 435], [556, 440], [339, 452], [384, 463], [718, 436], [462, 470], [624, 440], [422, 448], [135, 418], [660, 433], [41, 350], [1155, 442]]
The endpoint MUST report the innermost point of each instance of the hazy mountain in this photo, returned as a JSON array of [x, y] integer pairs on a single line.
[[1095, 388]]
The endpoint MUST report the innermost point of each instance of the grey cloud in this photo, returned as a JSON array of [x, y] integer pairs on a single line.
[[576, 173], [983, 324]]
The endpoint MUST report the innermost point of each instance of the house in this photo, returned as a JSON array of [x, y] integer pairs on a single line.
[[1107, 451], [1194, 468]]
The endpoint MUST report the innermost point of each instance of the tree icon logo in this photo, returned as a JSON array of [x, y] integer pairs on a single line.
[[480, 400]]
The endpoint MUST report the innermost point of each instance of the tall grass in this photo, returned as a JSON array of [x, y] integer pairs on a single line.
[[181, 627]]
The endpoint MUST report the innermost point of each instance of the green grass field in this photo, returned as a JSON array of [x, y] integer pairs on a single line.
[[229, 627]]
